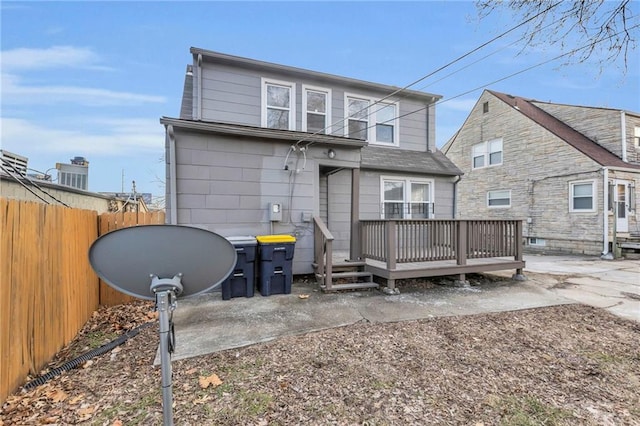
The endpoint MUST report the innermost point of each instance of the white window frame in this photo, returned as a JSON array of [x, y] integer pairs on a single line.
[[636, 136], [372, 121], [408, 181], [327, 92], [537, 242], [292, 100], [594, 200], [486, 150], [489, 198]]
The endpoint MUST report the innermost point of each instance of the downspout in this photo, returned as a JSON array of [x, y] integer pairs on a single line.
[[173, 198], [623, 127], [455, 195], [605, 209], [199, 79]]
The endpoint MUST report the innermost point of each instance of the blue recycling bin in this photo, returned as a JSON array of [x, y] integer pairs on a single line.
[[241, 282], [276, 263]]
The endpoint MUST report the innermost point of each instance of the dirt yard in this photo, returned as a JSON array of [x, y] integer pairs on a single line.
[[565, 365]]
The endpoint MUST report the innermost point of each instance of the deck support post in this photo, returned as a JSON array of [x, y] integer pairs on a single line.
[[355, 252], [391, 253], [519, 276]]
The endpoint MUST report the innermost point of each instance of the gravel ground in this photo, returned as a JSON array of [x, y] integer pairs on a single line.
[[564, 365]]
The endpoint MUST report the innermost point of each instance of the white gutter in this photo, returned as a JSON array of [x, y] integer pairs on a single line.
[[605, 210], [173, 197], [623, 126]]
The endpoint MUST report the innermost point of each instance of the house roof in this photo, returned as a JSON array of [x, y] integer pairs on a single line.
[[568, 134], [208, 55], [261, 132], [402, 160]]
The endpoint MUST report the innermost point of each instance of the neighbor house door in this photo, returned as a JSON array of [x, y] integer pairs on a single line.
[[621, 200]]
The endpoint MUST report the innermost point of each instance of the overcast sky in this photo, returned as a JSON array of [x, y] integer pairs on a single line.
[[92, 79]]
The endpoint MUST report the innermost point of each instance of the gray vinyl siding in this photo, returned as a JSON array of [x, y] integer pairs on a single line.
[[234, 95], [371, 200], [225, 185]]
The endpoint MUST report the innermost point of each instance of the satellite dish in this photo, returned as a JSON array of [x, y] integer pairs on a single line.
[[127, 257], [162, 262]]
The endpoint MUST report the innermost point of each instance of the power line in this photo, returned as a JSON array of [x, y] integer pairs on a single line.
[[15, 170], [402, 89]]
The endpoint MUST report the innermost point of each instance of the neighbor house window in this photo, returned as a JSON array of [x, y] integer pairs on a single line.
[[317, 105], [485, 107], [278, 102], [406, 198], [499, 199], [636, 136], [487, 153], [533, 241], [374, 122], [582, 196]]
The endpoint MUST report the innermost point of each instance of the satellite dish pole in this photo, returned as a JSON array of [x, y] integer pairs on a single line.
[[166, 291], [137, 260]]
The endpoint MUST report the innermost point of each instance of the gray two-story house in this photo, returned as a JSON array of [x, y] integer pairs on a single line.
[[570, 173], [262, 148]]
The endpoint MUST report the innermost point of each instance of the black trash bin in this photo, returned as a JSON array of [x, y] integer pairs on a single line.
[[241, 282], [276, 261]]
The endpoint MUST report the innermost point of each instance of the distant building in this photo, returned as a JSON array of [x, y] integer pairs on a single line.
[[75, 175], [14, 163]]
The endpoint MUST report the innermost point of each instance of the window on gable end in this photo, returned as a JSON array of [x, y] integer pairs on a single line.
[[499, 199], [317, 109], [487, 154], [485, 107], [278, 101]]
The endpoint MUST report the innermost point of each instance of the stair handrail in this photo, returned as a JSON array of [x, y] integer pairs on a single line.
[[323, 251]]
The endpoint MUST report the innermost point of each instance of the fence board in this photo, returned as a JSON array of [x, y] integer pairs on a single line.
[[110, 222], [48, 287]]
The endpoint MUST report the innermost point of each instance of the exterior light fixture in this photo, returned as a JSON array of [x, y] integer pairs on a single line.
[[331, 154]]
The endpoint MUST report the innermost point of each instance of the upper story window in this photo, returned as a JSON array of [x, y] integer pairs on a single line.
[[487, 154], [317, 109], [406, 198], [374, 122], [636, 136], [278, 104], [499, 199], [582, 196]]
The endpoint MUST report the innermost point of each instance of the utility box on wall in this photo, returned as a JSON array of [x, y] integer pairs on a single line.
[[275, 212]]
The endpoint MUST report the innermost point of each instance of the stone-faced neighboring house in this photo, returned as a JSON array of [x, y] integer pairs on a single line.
[[261, 148], [571, 173]]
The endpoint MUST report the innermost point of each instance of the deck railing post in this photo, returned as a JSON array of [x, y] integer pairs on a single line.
[[461, 246], [391, 241], [328, 279]]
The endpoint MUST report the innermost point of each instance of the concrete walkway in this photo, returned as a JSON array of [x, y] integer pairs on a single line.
[[207, 324]]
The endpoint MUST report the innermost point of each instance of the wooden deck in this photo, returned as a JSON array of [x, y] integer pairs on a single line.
[[401, 249], [438, 268]]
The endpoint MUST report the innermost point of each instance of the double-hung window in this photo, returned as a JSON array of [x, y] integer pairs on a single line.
[[582, 196], [278, 104], [499, 199], [375, 122], [487, 153], [405, 198], [317, 109]]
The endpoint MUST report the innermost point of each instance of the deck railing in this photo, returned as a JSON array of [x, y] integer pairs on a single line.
[[405, 241], [323, 252]]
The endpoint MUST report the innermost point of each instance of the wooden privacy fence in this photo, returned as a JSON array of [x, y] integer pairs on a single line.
[[47, 286], [108, 222]]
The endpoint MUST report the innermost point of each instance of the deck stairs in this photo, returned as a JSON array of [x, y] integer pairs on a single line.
[[347, 275]]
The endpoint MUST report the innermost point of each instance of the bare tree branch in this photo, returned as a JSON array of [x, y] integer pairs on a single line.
[[609, 28]]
